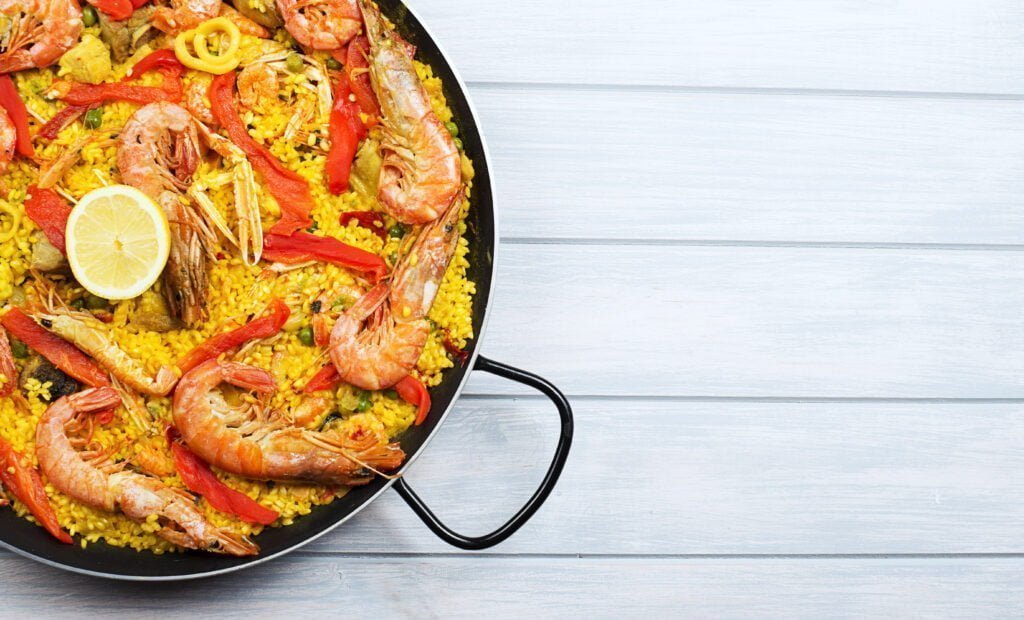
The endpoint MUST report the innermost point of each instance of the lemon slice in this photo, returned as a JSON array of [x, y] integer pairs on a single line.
[[117, 242]]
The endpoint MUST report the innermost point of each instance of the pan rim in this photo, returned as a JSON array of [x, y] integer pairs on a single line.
[[468, 100]]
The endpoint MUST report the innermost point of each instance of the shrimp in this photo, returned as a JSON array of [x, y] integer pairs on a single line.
[[8, 138], [245, 441], [159, 150], [195, 100], [36, 33], [377, 342], [421, 172], [8, 371], [88, 334], [321, 24], [184, 15], [256, 83], [92, 480]]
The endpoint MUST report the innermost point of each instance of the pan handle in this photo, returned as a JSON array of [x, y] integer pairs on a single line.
[[474, 543]]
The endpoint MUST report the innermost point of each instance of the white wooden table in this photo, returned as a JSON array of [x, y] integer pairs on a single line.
[[773, 251]]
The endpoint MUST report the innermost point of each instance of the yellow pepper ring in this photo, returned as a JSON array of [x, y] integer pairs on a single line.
[[203, 59]]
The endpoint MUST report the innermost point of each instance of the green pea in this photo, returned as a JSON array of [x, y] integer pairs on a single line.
[[315, 226], [458, 143], [306, 336], [392, 394], [452, 129], [293, 63], [93, 302], [94, 118], [364, 402], [334, 64], [89, 16], [18, 349], [397, 231], [78, 304]]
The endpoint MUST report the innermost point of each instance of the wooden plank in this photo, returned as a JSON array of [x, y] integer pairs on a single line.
[[662, 477], [917, 45], [662, 165], [468, 586], [753, 321]]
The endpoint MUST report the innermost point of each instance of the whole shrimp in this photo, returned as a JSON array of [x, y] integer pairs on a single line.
[[184, 15], [421, 171], [158, 151], [36, 33], [245, 442], [377, 341], [99, 484], [321, 24]]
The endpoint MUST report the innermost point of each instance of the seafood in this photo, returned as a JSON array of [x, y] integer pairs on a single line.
[[321, 24], [257, 82], [36, 33], [247, 441], [92, 479], [158, 152], [378, 340], [195, 101], [421, 171], [88, 334], [159, 149], [183, 15], [8, 138]]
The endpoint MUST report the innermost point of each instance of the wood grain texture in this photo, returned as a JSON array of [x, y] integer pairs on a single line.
[[709, 166], [915, 45], [473, 587], [664, 477], [760, 321]]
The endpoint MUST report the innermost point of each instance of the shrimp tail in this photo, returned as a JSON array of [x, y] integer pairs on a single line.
[[247, 377], [95, 399]]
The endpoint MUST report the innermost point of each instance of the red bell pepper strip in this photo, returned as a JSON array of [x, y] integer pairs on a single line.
[[50, 213], [414, 393], [326, 379], [367, 219], [118, 10], [347, 131], [8, 371], [23, 481], [303, 246], [159, 59], [138, 4], [199, 478], [457, 353], [60, 120], [62, 354], [263, 327], [357, 68], [11, 101], [171, 89], [288, 188]]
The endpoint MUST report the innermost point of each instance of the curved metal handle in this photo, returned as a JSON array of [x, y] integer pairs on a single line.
[[473, 543]]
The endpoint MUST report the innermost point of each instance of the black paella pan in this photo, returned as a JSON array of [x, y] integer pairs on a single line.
[[102, 560]]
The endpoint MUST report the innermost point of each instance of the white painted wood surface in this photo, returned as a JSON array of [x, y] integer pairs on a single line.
[[774, 252]]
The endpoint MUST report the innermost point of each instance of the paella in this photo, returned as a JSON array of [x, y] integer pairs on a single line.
[[232, 262]]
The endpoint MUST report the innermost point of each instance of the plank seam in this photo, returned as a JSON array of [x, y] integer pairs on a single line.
[[746, 90], [740, 243]]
